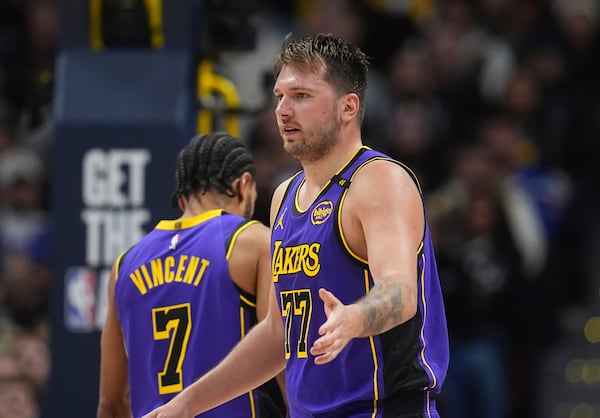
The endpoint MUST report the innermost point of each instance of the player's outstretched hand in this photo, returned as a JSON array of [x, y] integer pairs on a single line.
[[172, 409], [339, 328]]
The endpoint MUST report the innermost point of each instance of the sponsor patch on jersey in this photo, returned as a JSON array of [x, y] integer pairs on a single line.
[[321, 212]]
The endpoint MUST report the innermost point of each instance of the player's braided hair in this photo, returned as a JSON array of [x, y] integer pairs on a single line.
[[211, 162]]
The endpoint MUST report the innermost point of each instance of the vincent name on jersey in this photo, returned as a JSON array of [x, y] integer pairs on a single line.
[[293, 259], [171, 269]]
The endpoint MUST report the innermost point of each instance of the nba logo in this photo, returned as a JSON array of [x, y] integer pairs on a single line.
[[174, 242], [80, 299]]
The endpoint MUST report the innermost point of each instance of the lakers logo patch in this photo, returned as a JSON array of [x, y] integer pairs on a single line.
[[321, 212]]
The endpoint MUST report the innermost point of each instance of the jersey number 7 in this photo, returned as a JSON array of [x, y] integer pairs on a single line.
[[174, 323]]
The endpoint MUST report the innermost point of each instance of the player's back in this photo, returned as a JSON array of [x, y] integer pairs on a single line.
[[180, 310]]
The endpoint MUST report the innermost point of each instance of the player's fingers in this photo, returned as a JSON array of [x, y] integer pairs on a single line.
[[322, 359], [320, 346], [324, 329], [329, 300], [327, 357], [325, 344]]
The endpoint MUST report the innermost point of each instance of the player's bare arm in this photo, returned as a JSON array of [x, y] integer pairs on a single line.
[[276, 201], [388, 207], [113, 397], [383, 222], [249, 265]]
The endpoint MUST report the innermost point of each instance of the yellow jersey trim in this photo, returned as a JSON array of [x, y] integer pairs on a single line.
[[184, 223], [344, 166], [118, 263], [422, 283], [235, 236], [248, 301], [374, 354], [242, 335]]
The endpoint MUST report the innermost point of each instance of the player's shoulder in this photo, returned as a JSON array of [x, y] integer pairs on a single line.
[[383, 183], [248, 249], [385, 171], [283, 186], [279, 194], [253, 233]]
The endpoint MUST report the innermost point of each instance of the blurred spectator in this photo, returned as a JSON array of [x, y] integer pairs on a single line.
[[21, 213], [525, 222], [18, 398], [26, 295], [23, 223], [480, 272], [472, 172], [9, 367], [487, 52], [410, 82], [27, 284], [480, 268], [578, 20], [410, 139], [455, 87], [33, 357], [409, 76]]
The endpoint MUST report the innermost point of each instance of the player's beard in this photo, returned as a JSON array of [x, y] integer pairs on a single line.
[[316, 143]]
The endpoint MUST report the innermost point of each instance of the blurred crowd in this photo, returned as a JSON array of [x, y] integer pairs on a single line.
[[495, 104], [28, 42]]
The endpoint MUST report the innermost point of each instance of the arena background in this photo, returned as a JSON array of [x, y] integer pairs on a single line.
[[134, 79]]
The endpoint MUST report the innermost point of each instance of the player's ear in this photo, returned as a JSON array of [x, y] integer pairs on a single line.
[[350, 106], [241, 185], [182, 203]]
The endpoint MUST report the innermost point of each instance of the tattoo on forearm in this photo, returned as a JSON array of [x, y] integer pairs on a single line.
[[383, 307]]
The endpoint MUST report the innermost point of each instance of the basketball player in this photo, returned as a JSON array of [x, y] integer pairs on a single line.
[[356, 315], [183, 296]]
